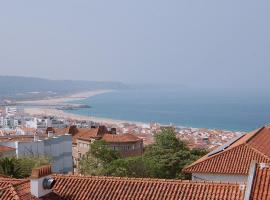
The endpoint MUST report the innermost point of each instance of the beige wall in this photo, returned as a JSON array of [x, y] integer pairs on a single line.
[[127, 149], [79, 150]]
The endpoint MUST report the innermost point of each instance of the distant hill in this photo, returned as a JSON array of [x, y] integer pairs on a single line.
[[25, 87]]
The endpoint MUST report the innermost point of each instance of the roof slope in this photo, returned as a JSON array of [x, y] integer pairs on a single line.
[[80, 187], [127, 137], [15, 189], [261, 183], [236, 158], [110, 188], [82, 133]]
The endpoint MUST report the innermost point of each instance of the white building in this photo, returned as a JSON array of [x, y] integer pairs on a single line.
[[59, 149], [37, 123], [10, 111], [1, 121]]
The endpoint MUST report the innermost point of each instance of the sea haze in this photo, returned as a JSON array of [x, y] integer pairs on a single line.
[[238, 111]]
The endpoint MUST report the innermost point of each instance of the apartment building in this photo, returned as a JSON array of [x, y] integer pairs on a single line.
[[58, 148]]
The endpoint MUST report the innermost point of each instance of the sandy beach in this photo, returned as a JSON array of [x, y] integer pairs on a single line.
[[70, 116], [64, 99], [47, 108]]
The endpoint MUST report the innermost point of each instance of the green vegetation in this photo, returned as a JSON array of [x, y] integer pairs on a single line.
[[21, 167], [163, 159], [10, 167], [95, 161]]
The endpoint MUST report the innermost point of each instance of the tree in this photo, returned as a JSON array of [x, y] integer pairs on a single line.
[[90, 165], [100, 150], [10, 167], [166, 139], [21, 167], [167, 156], [164, 159], [27, 163], [128, 167], [97, 158], [199, 152]]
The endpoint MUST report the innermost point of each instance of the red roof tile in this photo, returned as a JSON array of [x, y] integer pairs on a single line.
[[121, 138], [82, 133], [6, 149], [261, 183], [110, 188], [236, 158], [15, 189]]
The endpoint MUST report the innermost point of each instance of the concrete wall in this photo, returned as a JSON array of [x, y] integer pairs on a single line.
[[60, 149], [219, 177], [57, 148]]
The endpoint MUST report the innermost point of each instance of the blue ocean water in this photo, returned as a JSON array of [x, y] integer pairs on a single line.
[[205, 109]]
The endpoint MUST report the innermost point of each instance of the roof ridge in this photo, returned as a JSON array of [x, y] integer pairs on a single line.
[[255, 134], [258, 151], [146, 179], [23, 181]]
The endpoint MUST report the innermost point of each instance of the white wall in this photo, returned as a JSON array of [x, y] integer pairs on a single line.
[[58, 148], [219, 177], [31, 123]]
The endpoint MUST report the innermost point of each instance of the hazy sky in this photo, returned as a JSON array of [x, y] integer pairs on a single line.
[[200, 43]]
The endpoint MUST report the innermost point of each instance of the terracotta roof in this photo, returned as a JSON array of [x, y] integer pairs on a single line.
[[82, 133], [6, 149], [20, 138], [16, 138], [110, 188], [86, 134], [58, 131], [237, 156], [121, 138], [28, 130], [261, 183], [6, 181], [14, 189]]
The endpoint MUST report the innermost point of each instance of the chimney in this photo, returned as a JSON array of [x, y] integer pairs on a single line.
[[36, 138], [50, 134], [113, 131], [41, 181]]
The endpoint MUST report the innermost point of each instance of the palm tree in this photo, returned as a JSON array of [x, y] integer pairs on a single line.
[[9, 167]]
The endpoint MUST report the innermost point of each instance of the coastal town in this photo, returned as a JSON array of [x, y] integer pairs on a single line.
[[38, 128], [15, 121], [134, 100], [67, 141]]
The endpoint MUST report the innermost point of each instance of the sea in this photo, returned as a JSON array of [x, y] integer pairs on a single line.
[[198, 108]]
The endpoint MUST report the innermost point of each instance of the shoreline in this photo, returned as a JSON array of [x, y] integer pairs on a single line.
[[63, 100], [46, 107], [70, 116]]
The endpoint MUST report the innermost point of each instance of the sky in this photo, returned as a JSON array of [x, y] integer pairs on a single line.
[[198, 43]]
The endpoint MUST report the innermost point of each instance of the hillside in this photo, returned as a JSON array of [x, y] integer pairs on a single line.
[[15, 87]]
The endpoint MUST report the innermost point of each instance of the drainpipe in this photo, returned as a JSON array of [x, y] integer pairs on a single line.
[[251, 175]]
